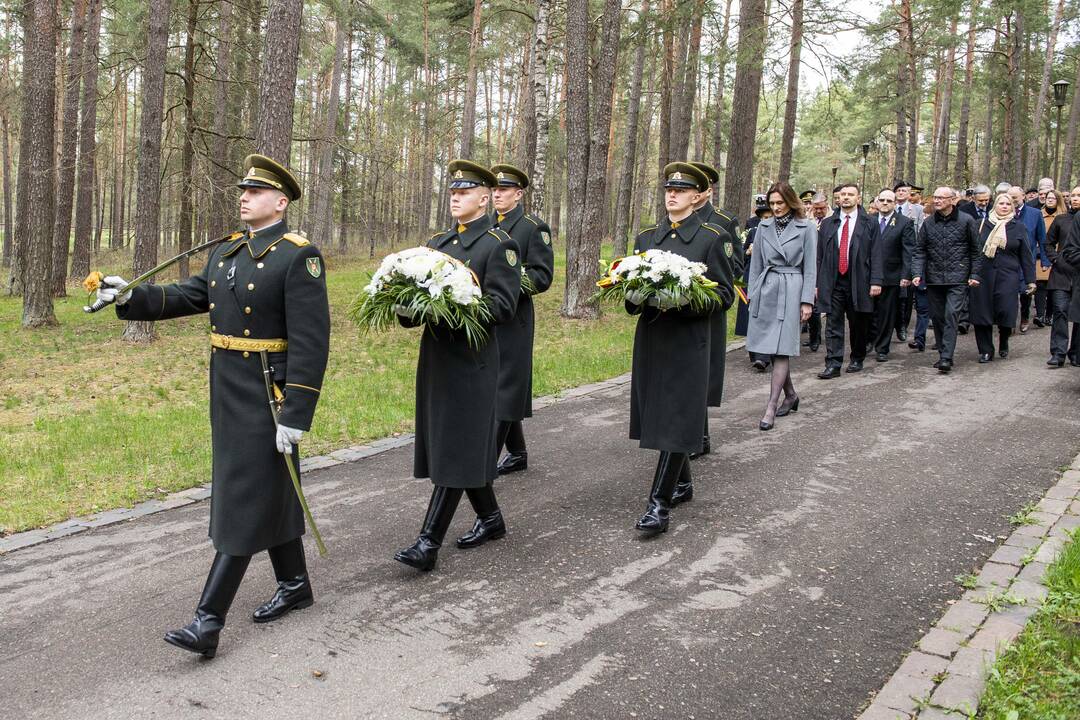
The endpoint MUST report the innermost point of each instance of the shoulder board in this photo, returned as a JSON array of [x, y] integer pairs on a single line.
[[296, 239], [645, 230], [531, 219], [710, 227], [500, 233], [723, 214], [434, 235]]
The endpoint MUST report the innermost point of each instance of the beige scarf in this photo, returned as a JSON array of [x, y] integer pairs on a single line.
[[996, 240]]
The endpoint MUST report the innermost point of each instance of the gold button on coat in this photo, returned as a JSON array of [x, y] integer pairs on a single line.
[[213, 283], [221, 264], [260, 266], [247, 310], [211, 306], [247, 354], [251, 286], [247, 332]]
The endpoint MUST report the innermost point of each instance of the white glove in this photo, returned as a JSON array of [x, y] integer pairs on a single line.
[[668, 300], [112, 290], [404, 311], [635, 297], [286, 438]]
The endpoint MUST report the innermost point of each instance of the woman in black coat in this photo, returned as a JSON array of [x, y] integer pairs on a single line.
[[457, 384], [1008, 256]]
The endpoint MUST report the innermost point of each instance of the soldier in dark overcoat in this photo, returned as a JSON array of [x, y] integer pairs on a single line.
[[457, 384], [265, 291], [670, 378], [533, 238], [733, 257]]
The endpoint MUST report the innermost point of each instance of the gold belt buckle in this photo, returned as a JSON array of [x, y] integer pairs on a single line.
[[226, 340]]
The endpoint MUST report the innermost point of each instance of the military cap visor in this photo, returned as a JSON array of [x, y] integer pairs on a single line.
[[902, 184], [685, 175], [808, 195], [710, 172], [467, 174], [509, 176], [262, 172]]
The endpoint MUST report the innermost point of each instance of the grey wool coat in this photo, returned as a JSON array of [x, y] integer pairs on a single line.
[[783, 275]]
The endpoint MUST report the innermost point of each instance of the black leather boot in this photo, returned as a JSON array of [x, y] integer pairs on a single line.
[[201, 634], [655, 519], [684, 489], [423, 553], [294, 587], [489, 523], [706, 446]]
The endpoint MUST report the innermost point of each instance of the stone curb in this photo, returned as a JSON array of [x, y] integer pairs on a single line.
[[29, 538], [945, 676]]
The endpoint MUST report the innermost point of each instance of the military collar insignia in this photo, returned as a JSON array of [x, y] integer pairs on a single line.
[[261, 241]]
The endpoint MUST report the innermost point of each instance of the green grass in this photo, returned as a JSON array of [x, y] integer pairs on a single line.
[[1023, 515], [1038, 678], [91, 423]]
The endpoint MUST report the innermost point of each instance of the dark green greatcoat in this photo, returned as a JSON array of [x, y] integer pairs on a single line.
[[733, 258], [533, 239], [456, 385], [263, 286], [670, 380]]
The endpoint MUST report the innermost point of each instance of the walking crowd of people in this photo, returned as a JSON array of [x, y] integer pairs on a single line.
[[961, 260]]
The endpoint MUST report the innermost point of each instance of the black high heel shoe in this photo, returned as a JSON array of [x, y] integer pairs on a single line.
[[786, 409]]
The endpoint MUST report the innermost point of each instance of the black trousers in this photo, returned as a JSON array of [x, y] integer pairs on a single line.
[[984, 338], [1062, 342], [946, 303], [1040, 296], [813, 327], [885, 312], [842, 306], [904, 308]]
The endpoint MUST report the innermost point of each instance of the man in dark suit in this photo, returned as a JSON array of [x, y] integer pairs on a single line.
[[979, 205], [849, 270], [896, 241]]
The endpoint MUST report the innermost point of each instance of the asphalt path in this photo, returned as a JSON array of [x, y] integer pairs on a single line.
[[811, 559]]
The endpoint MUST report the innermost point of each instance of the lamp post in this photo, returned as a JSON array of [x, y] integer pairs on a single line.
[[865, 152], [1061, 91], [834, 171]]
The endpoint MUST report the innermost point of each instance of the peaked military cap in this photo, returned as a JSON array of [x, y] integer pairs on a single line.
[[509, 176], [807, 196], [261, 171], [685, 175], [917, 188], [761, 205], [467, 174], [710, 172], [902, 183]]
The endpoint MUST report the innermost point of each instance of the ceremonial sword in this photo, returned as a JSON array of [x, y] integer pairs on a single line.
[[288, 458], [95, 278]]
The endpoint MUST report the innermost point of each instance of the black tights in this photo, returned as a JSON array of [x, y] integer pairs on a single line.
[[510, 434], [780, 380]]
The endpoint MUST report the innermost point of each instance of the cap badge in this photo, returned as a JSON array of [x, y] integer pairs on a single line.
[[458, 175], [676, 176]]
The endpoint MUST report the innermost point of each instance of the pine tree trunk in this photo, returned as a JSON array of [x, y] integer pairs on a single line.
[[39, 126], [222, 163], [148, 186], [633, 110], [718, 125], [187, 152], [683, 110], [277, 86], [961, 176], [1070, 135], [738, 181], [323, 203], [663, 155], [5, 167], [577, 149], [468, 118], [346, 190], [84, 196], [541, 47], [913, 89], [1031, 168], [791, 103], [940, 163], [65, 171], [1010, 153]]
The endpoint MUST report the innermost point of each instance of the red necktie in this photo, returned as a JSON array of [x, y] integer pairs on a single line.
[[844, 246]]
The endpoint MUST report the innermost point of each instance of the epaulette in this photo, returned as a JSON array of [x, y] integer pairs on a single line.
[[297, 240], [435, 235], [645, 230], [710, 226], [500, 233], [531, 219], [722, 214]]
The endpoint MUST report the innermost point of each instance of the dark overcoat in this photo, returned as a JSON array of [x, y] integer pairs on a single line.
[[1061, 271], [533, 239], [456, 384], [864, 261], [1070, 253], [266, 285], [670, 379], [993, 302], [733, 258]]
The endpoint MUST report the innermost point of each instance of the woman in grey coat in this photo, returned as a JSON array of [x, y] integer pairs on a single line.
[[783, 278]]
